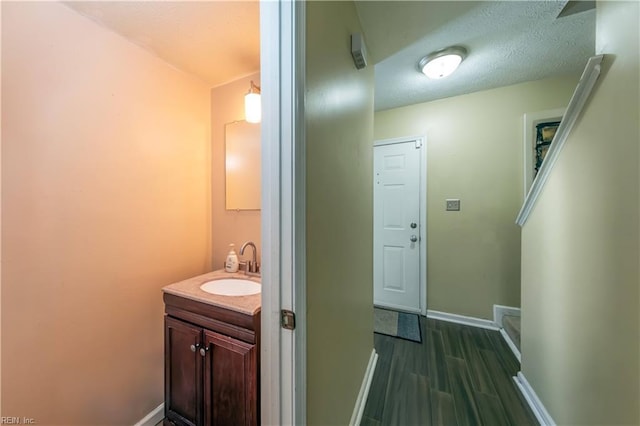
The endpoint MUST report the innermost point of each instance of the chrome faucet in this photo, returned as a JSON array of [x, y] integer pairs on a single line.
[[253, 267]]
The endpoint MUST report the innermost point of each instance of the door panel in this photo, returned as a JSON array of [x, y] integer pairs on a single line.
[[392, 216], [230, 389], [183, 372], [393, 268], [396, 208]]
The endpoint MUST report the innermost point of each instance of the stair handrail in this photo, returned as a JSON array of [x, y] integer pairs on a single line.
[[576, 104]]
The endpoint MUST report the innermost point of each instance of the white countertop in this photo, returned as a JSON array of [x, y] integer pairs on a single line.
[[190, 289]]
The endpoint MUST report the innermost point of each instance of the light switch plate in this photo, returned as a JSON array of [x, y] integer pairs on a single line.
[[453, 205]]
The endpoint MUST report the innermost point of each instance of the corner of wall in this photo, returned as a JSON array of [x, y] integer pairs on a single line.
[[339, 267], [118, 171], [581, 292], [478, 252], [228, 226]]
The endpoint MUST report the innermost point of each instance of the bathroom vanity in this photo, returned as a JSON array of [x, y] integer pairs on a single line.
[[212, 354]]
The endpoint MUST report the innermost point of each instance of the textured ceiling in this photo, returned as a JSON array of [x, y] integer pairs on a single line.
[[217, 41], [508, 42]]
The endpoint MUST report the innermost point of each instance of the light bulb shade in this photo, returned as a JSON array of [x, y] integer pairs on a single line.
[[252, 109], [442, 63]]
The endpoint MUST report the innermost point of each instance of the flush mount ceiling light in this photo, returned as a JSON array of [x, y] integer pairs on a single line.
[[252, 109], [443, 62]]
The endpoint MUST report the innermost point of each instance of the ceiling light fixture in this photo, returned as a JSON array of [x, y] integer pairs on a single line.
[[252, 108], [443, 62]]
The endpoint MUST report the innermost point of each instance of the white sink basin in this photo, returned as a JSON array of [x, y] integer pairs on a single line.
[[231, 287]]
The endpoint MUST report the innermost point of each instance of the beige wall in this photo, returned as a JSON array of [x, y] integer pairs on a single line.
[[105, 199], [339, 126], [229, 226], [474, 153], [580, 249]]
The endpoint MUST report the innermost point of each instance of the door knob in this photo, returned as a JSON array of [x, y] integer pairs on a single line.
[[194, 347], [413, 225], [413, 238]]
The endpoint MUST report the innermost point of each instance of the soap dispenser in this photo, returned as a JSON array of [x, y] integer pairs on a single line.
[[231, 264]]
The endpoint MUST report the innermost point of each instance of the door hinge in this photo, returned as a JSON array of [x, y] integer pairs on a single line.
[[287, 319], [418, 143]]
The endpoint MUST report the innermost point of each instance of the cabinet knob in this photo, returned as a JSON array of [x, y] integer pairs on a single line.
[[194, 347], [203, 351]]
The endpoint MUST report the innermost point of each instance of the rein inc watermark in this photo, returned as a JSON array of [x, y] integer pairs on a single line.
[[4, 420]]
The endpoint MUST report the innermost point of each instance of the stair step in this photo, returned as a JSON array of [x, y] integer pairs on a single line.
[[511, 325]]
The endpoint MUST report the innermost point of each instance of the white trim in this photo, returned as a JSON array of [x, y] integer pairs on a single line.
[[534, 402], [270, 375], [423, 227], [153, 418], [577, 102], [462, 319], [501, 310], [283, 352], [532, 119], [394, 141], [422, 140], [511, 345], [358, 409], [299, 240], [385, 305]]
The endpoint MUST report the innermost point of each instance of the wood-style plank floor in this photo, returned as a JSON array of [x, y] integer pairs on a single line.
[[458, 375]]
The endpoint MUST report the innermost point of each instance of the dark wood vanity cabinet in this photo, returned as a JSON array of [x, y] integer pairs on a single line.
[[211, 364], [183, 373]]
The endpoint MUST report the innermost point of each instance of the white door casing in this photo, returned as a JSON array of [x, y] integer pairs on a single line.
[[283, 352], [531, 119], [399, 225]]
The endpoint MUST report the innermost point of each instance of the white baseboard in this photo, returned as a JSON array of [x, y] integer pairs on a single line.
[[541, 413], [500, 310], [399, 308], [461, 319], [358, 410], [153, 418], [511, 345]]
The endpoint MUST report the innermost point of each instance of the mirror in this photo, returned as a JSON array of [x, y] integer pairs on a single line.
[[242, 166]]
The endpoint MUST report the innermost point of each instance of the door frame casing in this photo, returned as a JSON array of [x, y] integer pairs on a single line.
[[423, 209], [530, 120], [283, 352]]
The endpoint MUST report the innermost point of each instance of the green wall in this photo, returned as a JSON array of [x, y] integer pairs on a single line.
[[339, 130], [580, 252], [475, 153]]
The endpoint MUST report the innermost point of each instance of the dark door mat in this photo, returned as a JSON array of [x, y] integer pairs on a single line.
[[397, 324]]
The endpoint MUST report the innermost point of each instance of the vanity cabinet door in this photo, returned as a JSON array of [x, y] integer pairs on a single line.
[[230, 376], [183, 373]]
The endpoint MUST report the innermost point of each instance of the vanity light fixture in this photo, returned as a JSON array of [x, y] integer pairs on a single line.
[[443, 62], [252, 108]]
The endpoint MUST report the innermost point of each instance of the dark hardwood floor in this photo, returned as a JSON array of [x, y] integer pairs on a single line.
[[458, 375]]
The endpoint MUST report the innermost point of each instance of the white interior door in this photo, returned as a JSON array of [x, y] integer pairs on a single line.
[[397, 225]]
